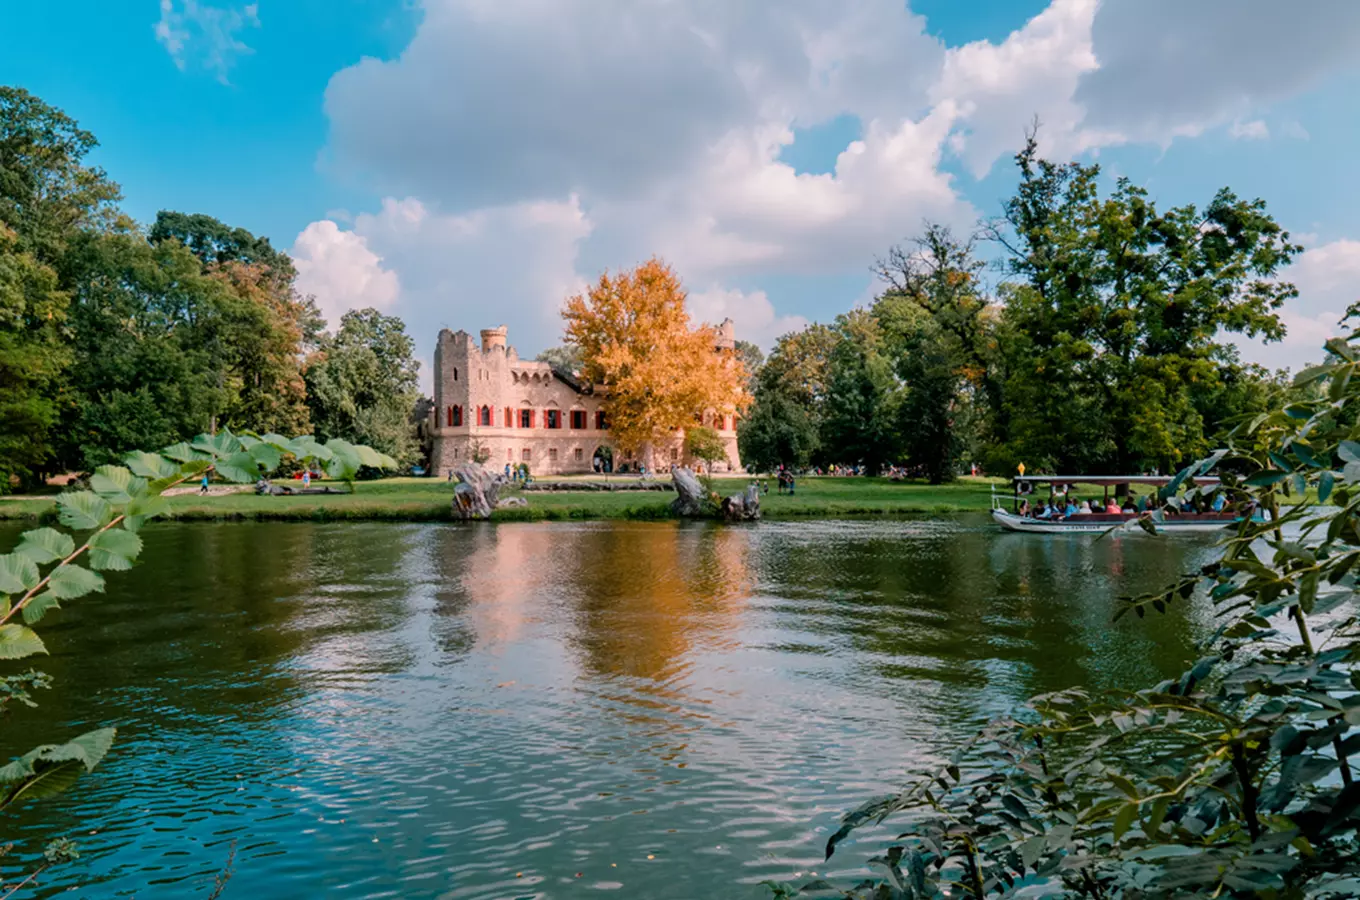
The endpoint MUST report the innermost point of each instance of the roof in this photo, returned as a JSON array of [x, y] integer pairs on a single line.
[[571, 381], [1151, 480]]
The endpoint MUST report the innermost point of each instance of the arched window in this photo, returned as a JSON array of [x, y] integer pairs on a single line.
[[455, 416], [484, 416]]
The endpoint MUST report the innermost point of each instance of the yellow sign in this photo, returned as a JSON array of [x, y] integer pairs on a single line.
[[1021, 467]]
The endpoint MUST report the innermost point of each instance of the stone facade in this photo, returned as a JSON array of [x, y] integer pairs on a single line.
[[516, 411]]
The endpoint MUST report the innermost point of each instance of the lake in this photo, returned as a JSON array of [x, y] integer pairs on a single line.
[[553, 710]]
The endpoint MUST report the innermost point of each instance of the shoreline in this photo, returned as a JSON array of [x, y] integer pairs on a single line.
[[429, 500]]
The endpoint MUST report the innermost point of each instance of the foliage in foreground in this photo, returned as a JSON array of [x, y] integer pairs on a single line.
[[101, 533], [1234, 780]]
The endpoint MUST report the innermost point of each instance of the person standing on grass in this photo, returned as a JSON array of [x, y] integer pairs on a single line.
[[307, 478], [203, 485]]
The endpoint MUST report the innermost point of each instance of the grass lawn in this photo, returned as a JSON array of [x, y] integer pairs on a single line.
[[428, 500]]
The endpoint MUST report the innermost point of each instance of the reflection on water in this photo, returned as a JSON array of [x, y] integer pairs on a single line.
[[549, 710]]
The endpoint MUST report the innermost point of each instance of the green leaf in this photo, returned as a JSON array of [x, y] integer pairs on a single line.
[[344, 463], [44, 545], [267, 456], [1312, 374], [38, 606], [18, 574], [143, 508], [52, 768], [224, 443], [182, 452], [70, 581], [150, 465], [1326, 481], [1127, 787], [114, 549], [18, 641], [1308, 588], [1306, 454], [1266, 478], [239, 467], [1123, 819], [83, 510], [368, 456], [116, 484], [1349, 451]]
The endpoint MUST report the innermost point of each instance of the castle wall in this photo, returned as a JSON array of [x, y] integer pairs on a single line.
[[522, 399]]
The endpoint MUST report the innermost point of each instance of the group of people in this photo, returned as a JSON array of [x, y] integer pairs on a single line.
[[1062, 506]]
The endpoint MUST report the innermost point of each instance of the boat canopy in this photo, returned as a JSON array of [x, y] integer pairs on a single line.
[[1108, 480]]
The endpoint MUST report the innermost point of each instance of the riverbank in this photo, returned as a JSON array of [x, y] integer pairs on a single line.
[[428, 500]]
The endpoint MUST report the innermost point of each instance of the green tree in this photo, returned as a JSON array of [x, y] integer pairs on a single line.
[[1111, 326], [751, 358], [213, 241], [776, 431], [566, 357], [148, 336], [361, 384], [859, 423], [48, 199], [33, 356], [935, 326], [704, 444]]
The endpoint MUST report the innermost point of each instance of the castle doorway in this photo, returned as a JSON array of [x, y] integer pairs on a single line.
[[602, 460]]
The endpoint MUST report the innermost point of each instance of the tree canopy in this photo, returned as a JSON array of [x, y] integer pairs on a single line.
[[658, 371]]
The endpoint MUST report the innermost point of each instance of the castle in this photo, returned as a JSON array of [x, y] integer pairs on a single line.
[[490, 406]]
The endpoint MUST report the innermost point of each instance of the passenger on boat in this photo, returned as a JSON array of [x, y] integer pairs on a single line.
[[1142, 504], [1045, 511], [1219, 502], [1111, 507], [1085, 508], [1070, 509], [1024, 508]]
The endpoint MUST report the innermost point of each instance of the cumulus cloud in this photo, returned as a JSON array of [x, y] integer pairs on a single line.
[[341, 272], [1255, 130], [1169, 69], [203, 34], [752, 314], [1328, 279], [513, 264], [663, 122]]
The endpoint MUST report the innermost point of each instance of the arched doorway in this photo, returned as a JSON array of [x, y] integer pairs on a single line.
[[602, 460]]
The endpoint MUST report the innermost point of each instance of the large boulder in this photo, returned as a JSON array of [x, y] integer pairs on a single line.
[[477, 491]]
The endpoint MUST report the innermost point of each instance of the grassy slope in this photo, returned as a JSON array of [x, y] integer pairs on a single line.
[[420, 499]]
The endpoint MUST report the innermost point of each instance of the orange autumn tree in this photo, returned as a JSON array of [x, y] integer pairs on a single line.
[[658, 371]]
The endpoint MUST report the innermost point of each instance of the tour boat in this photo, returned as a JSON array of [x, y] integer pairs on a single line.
[[1168, 522]]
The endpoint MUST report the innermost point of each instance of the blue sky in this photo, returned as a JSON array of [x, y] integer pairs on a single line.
[[459, 161]]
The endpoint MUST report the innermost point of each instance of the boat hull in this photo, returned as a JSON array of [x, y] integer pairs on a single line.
[[1096, 525]]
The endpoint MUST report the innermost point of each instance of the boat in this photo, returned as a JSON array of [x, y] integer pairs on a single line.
[[1165, 522]]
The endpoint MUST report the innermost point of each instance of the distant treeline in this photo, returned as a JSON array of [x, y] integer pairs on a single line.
[[114, 336], [1100, 350]]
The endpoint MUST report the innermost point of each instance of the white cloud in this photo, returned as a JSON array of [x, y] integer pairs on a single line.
[[663, 122], [1255, 130], [1328, 279], [203, 34], [752, 314], [339, 269], [513, 265], [1169, 68]]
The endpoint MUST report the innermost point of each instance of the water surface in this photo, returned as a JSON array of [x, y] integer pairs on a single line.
[[552, 710]]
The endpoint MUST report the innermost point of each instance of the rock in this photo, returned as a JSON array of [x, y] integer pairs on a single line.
[[743, 507], [507, 502], [475, 495], [692, 499]]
